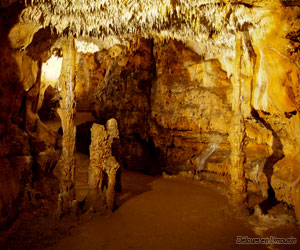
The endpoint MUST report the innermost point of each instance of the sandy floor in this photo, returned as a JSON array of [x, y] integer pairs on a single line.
[[164, 213], [81, 176], [158, 213]]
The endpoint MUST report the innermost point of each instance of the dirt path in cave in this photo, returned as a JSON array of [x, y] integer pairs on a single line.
[[157, 213]]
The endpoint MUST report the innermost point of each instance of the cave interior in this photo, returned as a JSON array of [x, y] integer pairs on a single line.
[[201, 91]]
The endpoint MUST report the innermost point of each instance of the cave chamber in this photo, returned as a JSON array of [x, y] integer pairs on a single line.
[[207, 91]]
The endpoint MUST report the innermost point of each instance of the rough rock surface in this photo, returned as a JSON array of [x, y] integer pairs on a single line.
[[15, 181], [66, 111], [123, 92], [229, 76], [191, 106], [103, 167], [15, 159], [26, 146]]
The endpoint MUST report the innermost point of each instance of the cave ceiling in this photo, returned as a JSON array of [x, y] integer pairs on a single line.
[[211, 23]]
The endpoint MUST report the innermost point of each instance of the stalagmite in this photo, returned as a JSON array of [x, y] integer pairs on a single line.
[[237, 134], [103, 168], [66, 199]]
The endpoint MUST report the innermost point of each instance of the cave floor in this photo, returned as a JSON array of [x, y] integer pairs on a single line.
[[161, 213], [153, 213], [165, 213]]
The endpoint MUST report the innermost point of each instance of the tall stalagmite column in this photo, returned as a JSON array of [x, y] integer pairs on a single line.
[[237, 134], [66, 112], [103, 168]]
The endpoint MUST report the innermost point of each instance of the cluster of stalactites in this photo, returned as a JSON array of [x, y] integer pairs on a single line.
[[167, 19]]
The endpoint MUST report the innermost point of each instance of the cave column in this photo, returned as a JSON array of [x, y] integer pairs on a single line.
[[66, 85], [98, 153], [237, 134], [103, 168]]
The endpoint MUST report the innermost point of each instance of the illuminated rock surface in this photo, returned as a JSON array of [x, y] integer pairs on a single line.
[[178, 76], [103, 168]]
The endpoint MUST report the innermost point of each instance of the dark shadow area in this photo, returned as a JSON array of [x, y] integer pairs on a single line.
[[41, 44], [140, 155], [83, 137], [13, 141], [290, 2], [39, 232], [50, 104], [133, 184], [11, 90], [277, 155]]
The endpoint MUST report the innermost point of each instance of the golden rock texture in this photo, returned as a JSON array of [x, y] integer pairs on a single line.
[[178, 76], [237, 134], [67, 112], [192, 104], [190, 108], [103, 167]]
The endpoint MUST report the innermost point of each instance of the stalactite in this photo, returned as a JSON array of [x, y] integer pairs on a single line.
[[66, 199], [237, 134], [107, 16]]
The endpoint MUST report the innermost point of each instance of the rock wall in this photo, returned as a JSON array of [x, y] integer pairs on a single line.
[[190, 108], [124, 93], [27, 147], [15, 159], [186, 104]]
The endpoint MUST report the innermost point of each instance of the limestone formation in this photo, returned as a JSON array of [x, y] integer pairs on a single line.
[[103, 167], [13, 181], [190, 108], [191, 103], [178, 75], [285, 179], [255, 174], [66, 112], [237, 134], [200, 160]]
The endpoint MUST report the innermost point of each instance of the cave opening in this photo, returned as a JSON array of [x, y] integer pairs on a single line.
[[169, 113]]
